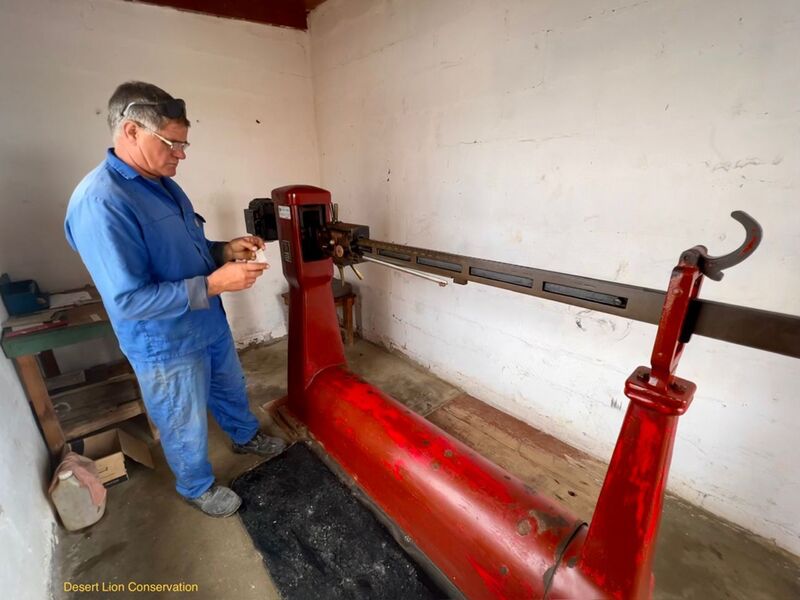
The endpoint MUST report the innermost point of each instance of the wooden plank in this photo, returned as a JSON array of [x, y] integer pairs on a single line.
[[548, 465], [34, 385], [103, 418], [65, 380], [83, 402], [108, 371], [97, 374], [91, 388]]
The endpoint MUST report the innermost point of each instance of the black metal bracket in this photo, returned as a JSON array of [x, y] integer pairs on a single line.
[[713, 266]]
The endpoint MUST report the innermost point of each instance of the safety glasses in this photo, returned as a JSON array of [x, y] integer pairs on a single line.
[[171, 144]]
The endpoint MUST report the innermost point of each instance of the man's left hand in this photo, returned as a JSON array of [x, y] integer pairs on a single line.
[[242, 248]]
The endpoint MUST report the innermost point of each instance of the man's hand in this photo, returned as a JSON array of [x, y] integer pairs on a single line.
[[234, 276], [242, 248]]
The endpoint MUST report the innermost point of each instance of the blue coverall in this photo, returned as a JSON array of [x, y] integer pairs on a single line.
[[146, 251]]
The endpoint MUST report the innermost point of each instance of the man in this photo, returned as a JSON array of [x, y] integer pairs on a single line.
[[160, 280]]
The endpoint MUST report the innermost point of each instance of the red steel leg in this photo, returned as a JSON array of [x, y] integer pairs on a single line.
[[619, 548]]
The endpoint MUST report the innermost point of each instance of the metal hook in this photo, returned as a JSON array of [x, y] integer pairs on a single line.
[[712, 266]]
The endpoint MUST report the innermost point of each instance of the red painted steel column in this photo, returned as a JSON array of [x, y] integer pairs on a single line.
[[314, 340], [619, 547]]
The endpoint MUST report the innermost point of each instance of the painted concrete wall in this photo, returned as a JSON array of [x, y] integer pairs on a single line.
[[26, 519], [598, 138], [249, 96]]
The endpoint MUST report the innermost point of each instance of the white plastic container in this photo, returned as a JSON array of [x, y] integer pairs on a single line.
[[74, 502]]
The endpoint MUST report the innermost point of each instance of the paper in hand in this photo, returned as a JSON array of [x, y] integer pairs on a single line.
[[261, 256]]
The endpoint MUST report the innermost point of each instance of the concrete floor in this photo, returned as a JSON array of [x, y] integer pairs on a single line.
[[149, 535]]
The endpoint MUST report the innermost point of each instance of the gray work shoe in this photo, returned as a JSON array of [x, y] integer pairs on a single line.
[[217, 501], [261, 444]]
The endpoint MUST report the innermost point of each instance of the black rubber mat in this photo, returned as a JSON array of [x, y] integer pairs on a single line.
[[318, 541]]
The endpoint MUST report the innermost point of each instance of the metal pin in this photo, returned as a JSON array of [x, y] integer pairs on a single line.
[[359, 275]]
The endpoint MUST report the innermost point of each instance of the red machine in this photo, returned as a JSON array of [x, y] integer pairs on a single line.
[[487, 532]]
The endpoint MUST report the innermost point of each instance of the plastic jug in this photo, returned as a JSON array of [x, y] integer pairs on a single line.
[[73, 502]]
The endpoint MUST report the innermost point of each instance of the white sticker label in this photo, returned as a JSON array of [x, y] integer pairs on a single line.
[[284, 212]]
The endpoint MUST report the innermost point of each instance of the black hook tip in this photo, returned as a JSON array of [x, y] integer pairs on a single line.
[[713, 266]]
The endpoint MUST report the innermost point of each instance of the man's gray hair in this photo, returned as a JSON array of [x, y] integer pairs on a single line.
[[149, 116]]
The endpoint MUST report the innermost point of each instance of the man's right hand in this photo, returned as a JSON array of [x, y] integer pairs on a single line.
[[234, 276]]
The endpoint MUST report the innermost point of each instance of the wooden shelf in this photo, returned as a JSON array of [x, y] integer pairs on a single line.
[[109, 395], [104, 417], [72, 405]]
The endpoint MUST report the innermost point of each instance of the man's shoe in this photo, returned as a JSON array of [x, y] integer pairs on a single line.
[[261, 444], [217, 501]]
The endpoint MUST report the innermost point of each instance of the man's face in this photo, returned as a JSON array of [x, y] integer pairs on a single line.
[[160, 160]]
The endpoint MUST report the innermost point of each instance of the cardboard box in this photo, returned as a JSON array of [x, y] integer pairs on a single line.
[[109, 449]]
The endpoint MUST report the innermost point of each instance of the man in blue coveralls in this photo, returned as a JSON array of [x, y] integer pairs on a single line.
[[160, 280]]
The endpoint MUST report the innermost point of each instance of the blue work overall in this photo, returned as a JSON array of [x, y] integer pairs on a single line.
[[147, 253]]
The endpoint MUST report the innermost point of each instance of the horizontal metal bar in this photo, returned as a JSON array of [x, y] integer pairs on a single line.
[[752, 327], [764, 330]]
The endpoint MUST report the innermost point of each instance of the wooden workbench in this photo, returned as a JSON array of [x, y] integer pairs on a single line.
[[69, 406]]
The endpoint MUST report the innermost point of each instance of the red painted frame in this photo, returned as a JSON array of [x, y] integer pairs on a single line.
[[489, 533]]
